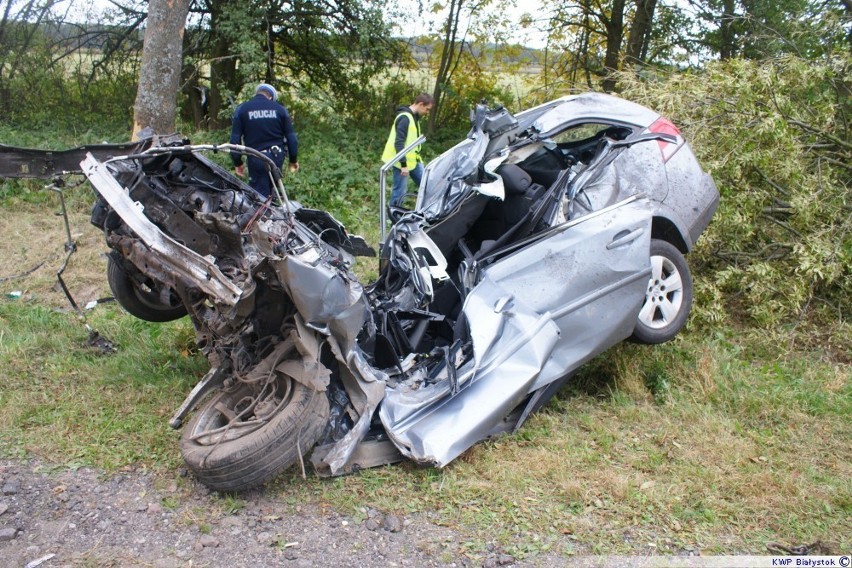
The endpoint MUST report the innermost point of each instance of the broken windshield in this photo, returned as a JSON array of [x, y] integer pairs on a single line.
[[443, 183]]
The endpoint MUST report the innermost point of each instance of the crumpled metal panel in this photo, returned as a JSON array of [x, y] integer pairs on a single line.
[[334, 304], [366, 388], [33, 163], [432, 425], [179, 258], [329, 301], [602, 263], [443, 184]]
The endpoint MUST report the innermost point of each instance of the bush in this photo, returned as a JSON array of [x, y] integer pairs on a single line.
[[775, 136], [40, 87]]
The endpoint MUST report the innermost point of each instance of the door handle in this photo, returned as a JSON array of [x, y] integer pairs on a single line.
[[625, 238]]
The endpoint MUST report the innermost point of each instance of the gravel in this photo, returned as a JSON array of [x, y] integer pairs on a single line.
[[83, 517]]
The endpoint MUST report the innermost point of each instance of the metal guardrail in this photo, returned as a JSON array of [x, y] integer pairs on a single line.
[[382, 178]]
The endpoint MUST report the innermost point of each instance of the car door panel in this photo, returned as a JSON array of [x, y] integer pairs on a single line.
[[590, 276]]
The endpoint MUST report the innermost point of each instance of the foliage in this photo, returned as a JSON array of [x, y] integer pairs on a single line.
[[334, 48], [469, 84], [587, 39], [775, 135], [366, 106], [52, 73], [756, 29]]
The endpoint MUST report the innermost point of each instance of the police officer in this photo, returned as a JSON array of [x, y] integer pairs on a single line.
[[264, 124], [404, 131]]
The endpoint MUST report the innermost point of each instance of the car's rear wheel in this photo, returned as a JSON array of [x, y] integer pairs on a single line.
[[668, 298], [149, 300]]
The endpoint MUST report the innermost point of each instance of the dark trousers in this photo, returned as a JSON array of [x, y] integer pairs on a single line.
[[259, 174]]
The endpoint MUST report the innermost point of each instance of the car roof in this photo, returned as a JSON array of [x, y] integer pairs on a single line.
[[587, 106]]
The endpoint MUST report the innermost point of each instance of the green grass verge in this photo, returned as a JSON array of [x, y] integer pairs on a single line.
[[69, 404]]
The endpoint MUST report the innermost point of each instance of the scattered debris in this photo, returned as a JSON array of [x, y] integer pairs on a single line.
[[39, 561], [22, 274], [796, 550], [100, 343]]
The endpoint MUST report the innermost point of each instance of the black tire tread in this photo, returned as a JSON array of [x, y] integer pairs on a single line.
[[125, 292], [258, 457]]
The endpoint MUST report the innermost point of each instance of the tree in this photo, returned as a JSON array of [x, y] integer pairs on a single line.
[[781, 240], [331, 48], [613, 24], [451, 48], [472, 38], [162, 57], [757, 29], [20, 31], [55, 69], [598, 29], [640, 32]]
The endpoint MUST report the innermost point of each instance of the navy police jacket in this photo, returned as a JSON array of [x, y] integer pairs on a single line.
[[261, 123]]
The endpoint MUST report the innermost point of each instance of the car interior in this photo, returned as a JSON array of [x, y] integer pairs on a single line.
[[536, 178]]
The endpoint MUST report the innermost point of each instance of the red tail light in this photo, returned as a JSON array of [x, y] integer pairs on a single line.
[[665, 126]]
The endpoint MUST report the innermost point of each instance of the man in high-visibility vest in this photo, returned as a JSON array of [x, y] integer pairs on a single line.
[[405, 130]]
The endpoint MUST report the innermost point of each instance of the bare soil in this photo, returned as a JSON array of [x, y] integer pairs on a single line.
[[84, 518]]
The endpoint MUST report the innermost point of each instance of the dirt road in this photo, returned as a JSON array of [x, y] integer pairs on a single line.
[[82, 518]]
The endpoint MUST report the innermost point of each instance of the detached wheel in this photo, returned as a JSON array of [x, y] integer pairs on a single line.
[[247, 435], [149, 300], [668, 297]]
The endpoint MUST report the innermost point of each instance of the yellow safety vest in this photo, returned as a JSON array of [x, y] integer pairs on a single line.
[[412, 157]]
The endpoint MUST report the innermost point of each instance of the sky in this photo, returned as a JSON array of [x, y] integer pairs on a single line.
[[425, 20]]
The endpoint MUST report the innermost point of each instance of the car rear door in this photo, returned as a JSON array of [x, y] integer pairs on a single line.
[[589, 275]]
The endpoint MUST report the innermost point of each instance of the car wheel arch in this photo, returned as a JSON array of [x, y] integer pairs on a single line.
[[664, 229]]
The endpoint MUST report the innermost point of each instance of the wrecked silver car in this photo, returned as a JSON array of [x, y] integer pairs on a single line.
[[535, 244]]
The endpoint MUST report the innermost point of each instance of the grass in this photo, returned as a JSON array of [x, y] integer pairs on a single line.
[[67, 403], [718, 442], [724, 469]]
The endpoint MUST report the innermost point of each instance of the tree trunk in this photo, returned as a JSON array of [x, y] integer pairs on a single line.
[[224, 81], [443, 75], [159, 76], [614, 25], [728, 48], [640, 32]]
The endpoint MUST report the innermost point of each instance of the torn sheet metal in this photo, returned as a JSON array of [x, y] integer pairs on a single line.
[[341, 456], [325, 297], [511, 345], [180, 259]]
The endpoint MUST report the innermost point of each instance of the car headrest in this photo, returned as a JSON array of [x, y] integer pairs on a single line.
[[515, 180]]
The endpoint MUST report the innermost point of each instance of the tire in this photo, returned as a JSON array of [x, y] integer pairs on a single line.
[[668, 298], [224, 459], [144, 302]]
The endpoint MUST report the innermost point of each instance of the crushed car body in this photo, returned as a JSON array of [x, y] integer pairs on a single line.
[[535, 244]]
